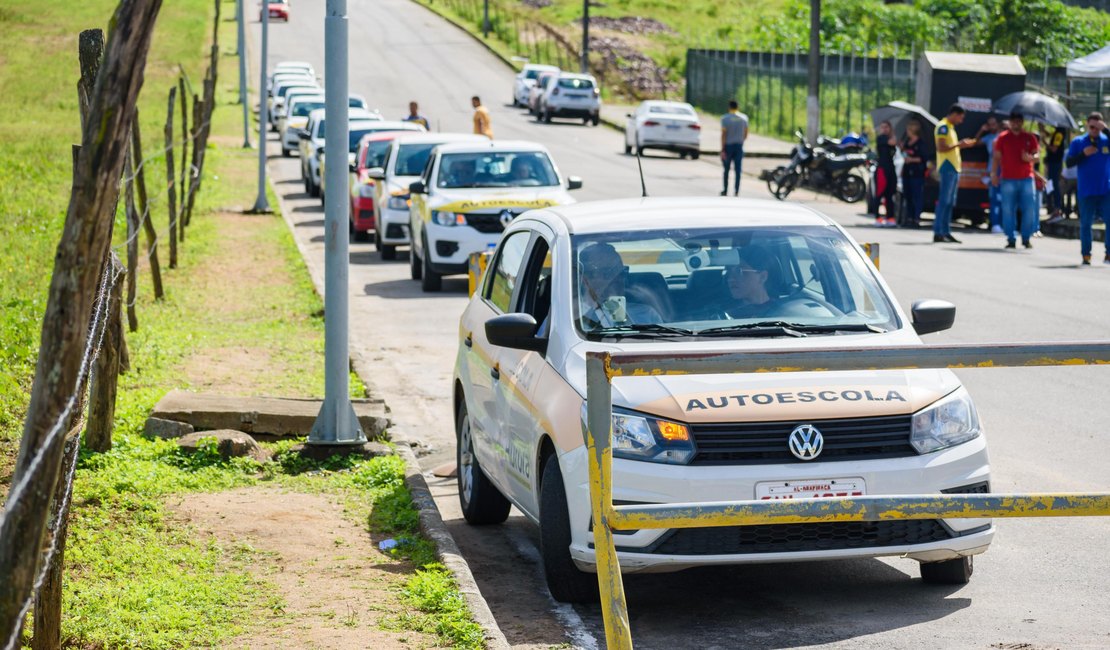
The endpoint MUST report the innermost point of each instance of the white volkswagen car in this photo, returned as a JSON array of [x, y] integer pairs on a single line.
[[526, 78], [295, 118], [698, 275], [673, 126], [466, 197], [570, 95], [404, 163], [311, 145]]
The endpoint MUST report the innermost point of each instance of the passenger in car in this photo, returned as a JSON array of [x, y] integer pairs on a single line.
[[752, 283], [603, 303]]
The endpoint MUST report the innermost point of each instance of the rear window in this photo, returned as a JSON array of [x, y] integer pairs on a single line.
[[672, 110], [575, 84]]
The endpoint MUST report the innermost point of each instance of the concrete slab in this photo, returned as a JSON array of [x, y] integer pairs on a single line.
[[273, 416]]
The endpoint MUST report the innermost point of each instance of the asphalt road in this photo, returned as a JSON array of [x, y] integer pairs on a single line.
[[1044, 583]]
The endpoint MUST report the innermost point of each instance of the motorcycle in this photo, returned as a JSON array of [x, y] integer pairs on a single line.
[[822, 169]]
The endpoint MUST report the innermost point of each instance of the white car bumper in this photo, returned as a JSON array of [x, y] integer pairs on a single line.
[[666, 550], [449, 247], [394, 227]]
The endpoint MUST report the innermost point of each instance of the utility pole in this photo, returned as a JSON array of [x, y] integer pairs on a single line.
[[485, 18], [813, 99], [262, 204], [585, 64], [337, 423], [243, 72]]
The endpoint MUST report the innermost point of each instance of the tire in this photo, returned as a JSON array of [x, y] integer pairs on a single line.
[[627, 149], [782, 182], [850, 188], [431, 281], [694, 155], [595, 120], [415, 267], [482, 503], [948, 572], [313, 188], [388, 251], [546, 115], [566, 582], [285, 153]]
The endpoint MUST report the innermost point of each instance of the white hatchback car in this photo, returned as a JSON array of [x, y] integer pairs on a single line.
[[526, 79], [697, 275], [466, 197], [571, 95], [673, 126]]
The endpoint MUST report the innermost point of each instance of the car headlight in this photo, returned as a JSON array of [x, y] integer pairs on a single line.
[[448, 218], [948, 422], [399, 202], [642, 437], [366, 190]]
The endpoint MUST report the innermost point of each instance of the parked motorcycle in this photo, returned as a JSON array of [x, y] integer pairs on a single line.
[[821, 169]]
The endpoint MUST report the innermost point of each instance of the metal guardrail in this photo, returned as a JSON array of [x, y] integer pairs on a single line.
[[603, 367]]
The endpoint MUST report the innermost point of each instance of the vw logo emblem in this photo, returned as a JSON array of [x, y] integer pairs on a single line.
[[506, 218], [806, 442]]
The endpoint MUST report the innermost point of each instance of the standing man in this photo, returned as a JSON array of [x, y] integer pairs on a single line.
[[1015, 152], [1089, 155], [415, 116], [1055, 144], [481, 118], [886, 178], [987, 134], [734, 131], [948, 167]]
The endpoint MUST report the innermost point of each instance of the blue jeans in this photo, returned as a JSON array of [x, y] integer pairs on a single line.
[[1019, 194], [946, 200], [914, 189], [1053, 168], [1089, 208], [734, 155], [996, 206]]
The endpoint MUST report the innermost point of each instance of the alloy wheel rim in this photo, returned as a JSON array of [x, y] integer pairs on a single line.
[[466, 462]]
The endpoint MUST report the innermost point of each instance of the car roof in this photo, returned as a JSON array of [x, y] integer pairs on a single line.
[[378, 136], [575, 75], [664, 102], [617, 215], [416, 137], [353, 114], [492, 145], [540, 66], [286, 65], [395, 125]]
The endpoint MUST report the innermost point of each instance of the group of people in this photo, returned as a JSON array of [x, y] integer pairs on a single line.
[[481, 117]]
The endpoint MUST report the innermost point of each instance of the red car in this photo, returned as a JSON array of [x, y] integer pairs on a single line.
[[279, 10], [372, 150]]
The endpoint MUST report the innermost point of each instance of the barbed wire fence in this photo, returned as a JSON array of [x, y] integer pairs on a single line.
[[83, 349]]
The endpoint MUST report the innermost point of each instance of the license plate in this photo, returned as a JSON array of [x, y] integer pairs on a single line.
[[813, 489], [673, 127], [577, 96]]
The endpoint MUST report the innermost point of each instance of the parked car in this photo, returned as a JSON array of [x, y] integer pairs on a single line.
[[672, 126], [371, 155], [466, 197], [311, 144], [356, 133], [535, 93], [289, 126], [571, 95], [696, 275], [281, 90], [279, 10], [405, 161], [526, 79]]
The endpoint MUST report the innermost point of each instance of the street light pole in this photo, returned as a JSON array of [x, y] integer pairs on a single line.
[[336, 424], [485, 18], [585, 63], [243, 72], [262, 204], [813, 99]]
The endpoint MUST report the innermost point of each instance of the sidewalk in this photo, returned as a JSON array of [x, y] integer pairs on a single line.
[[757, 146]]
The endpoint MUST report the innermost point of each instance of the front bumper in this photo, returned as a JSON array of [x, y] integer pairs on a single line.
[[449, 247], [394, 226], [672, 550], [573, 111]]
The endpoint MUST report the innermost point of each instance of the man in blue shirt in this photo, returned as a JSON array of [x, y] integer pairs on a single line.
[[415, 116], [1090, 155]]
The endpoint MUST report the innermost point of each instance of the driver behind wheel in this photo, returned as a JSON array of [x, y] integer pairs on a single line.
[[752, 283], [602, 300]]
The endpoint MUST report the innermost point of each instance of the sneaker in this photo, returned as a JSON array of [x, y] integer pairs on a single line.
[[1038, 234], [1011, 244], [996, 230], [1055, 218], [939, 239], [1087, 260], [1026, 243], [1106, 260], [952, 240], [724, 193], [880, 222]]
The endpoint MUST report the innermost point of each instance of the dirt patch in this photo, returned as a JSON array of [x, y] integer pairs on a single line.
[[629, 25], [334, 587], [640, 76], [234, 371]]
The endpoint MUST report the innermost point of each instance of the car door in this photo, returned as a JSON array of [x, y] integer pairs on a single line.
[[519, 416], [483, 371], [419, 207]]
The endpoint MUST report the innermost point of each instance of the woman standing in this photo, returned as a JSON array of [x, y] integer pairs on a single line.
[[913, 174]]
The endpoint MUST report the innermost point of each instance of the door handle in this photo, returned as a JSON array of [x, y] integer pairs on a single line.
[[469, 340], [495, 372]]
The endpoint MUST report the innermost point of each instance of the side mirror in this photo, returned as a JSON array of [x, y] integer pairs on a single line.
[[574, 183], [932, 316], [302, 134], [417, 187], [517, 331], [377, 173], [353, 168]]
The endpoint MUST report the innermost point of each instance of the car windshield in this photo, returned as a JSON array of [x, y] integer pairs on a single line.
[[356, 102], [411, 158], [575, 84], [671, 110], [531, 74], [730, 282], [496, 169], [376, 151], [286, 89], [302, 109]]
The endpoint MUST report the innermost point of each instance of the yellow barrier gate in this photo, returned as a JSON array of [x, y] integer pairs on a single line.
[[603, 367]]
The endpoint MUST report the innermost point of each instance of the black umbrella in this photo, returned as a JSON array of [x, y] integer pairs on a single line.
[[899, 115], [1036, 107]]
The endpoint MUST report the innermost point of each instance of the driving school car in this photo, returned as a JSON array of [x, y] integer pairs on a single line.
[[467, 195], [680, 276]]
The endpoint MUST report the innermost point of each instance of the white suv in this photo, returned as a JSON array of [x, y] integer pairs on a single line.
[[694, 275], [571, 95], [525, 79]]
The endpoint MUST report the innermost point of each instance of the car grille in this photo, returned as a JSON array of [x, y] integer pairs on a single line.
[[488, 223], [796, 538], [760, 443]]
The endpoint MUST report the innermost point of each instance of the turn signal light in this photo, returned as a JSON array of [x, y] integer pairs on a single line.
[[673, 431]]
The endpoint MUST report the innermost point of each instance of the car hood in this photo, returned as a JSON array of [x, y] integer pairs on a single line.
[[772, 396], [469, 200], [399, 185], [296, 122]]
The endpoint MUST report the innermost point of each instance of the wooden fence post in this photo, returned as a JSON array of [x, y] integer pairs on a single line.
[[182, 222], [132, 242], [78, 263], [144, 210], [194, 166], [106, 370], [48, 602], [171, 190]]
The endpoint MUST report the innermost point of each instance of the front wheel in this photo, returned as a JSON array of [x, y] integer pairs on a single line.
[[850, 188], [595, 120], [416, 268], [481, 502], [566, 582], [782, 182], [431, 281], [948, 572]]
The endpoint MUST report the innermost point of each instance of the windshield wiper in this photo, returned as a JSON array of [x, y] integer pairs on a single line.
[[642, 330], [764, 328]]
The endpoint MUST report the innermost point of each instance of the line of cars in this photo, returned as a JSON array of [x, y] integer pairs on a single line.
[[549, 92]]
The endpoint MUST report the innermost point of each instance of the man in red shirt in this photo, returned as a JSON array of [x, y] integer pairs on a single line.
[[1015, 152]]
